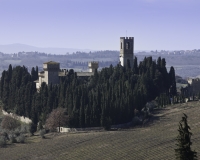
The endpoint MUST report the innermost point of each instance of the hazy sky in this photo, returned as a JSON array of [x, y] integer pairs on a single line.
[[98, 24]]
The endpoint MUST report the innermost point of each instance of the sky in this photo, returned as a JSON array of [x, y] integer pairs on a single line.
[[99, 24]]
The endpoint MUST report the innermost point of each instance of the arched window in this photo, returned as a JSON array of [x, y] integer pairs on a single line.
[[121, 45], [127, 45]]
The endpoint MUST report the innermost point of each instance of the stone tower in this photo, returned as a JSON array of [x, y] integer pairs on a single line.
[[51, 70], [92, 66], [126, 50]]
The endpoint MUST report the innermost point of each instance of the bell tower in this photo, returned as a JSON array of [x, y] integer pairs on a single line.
[[126, 51]]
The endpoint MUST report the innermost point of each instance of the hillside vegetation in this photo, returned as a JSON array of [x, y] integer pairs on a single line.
[[110, 96], [155, 140]]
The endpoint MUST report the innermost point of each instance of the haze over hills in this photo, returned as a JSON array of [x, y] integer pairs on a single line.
[[185, 62], [17, 47]]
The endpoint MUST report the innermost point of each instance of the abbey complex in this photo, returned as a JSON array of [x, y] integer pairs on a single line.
[[52, 72], [114, 97]]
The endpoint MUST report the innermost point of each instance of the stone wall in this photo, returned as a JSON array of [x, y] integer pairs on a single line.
[[195, 86], [53, 77], [64, 129]]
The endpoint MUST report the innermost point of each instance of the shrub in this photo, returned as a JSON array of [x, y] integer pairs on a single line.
[[17, 132], [4, 133], [2, 141], [20, 138], [12, 138], [42, 133], [57, 118], [9, 123], [25, 128]]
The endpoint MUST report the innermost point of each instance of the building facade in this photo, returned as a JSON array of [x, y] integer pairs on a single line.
[[51, 70], [51, 73], [194, 85]]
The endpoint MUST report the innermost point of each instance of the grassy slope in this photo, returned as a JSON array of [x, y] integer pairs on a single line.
[[155, 141]]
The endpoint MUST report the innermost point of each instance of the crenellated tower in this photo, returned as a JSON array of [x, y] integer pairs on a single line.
[[92, 66], [51, 70], [126, 50]]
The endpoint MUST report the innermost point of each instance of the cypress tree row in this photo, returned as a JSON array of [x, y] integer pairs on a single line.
[[110, 96]]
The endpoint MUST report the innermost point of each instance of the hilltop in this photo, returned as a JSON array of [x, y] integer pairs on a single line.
[[17, 47], [155, 140]]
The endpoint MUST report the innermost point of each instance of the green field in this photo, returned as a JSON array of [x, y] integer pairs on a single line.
[[154, 141]]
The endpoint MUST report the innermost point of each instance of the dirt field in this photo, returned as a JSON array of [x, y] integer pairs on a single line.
[[155, 141]]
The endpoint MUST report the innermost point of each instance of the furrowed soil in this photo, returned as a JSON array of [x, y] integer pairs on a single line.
[[154, 141]]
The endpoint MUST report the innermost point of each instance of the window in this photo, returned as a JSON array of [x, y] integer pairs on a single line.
[[127, 45], [121, 45]]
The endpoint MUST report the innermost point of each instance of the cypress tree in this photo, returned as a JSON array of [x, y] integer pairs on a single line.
[[10, 72], [128, 64], [135, 66], [33, 74], [111, 94], [172, 81], [82, 117], [2, 83], [159, 63], [36, 73], [184, 152]]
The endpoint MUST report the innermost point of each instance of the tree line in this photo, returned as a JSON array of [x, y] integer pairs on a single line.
[[110, 96]]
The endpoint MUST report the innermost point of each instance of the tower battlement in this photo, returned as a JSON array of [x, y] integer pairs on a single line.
[[126, 37], [93, 65], [51, 73], [51, 66], [126, 50]]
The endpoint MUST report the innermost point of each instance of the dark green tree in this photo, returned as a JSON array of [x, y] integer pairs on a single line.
[[172, 81], [110, 95], [184, 152], [128, 64], [135, 66]]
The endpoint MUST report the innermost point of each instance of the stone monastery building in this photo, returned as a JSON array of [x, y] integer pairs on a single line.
[[51, 70], [51, 73]]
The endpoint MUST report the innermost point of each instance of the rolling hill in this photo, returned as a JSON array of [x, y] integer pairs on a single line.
[[155, 140]]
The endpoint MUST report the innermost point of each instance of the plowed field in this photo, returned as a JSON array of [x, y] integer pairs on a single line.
[[154, 141]]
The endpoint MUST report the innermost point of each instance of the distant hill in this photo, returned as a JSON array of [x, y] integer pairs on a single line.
[[15, 48]]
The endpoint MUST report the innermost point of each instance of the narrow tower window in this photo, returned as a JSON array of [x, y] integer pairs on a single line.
[[127, 45], [121, 45]]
